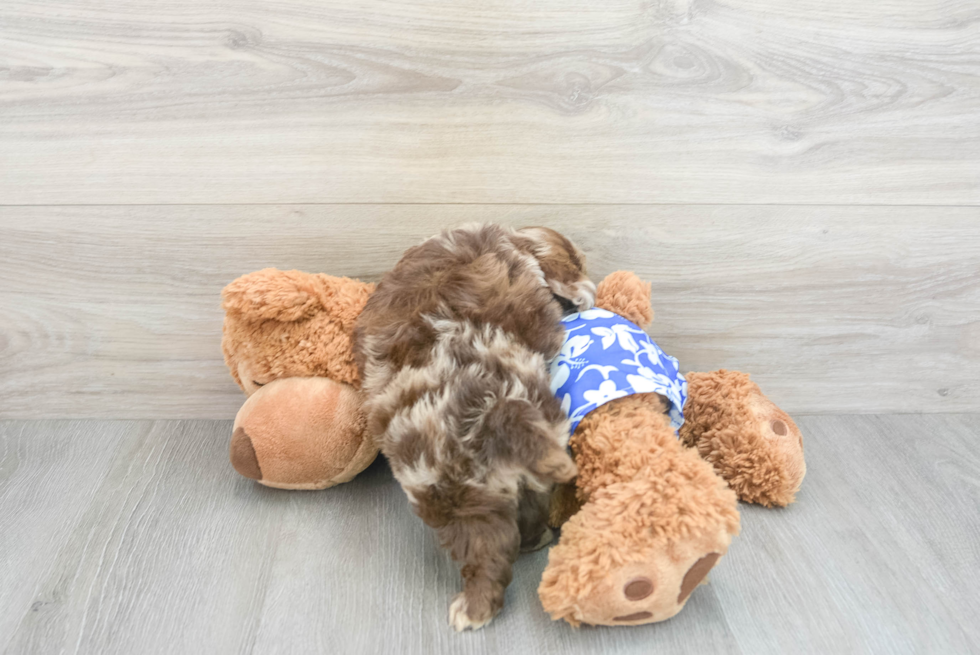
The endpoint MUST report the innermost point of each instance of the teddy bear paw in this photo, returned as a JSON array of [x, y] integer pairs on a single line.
[[648, 591], [650, 568], [751, 443]]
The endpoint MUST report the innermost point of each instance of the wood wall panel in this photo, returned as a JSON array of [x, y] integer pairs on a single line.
[[115, 311], [558, 101]]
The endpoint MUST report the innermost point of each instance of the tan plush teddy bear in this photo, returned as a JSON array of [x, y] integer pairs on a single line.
[[648, 517], [287, 343]]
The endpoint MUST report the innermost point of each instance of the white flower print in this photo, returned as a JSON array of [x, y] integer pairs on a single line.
[[608, 336], [575, 346], [626, 359], [559, 375], [592, 314], [562, 365], [604, 370], [654, 353], [645, 384], [607, 391], [646, 372], [622, 333]]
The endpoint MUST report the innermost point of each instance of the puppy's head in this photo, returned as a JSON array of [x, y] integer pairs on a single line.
[[563, 267]]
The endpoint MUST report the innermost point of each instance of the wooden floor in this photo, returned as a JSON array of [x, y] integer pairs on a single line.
[[137, 537]]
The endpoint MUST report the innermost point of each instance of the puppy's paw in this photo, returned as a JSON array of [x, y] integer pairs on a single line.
[[462, 617]]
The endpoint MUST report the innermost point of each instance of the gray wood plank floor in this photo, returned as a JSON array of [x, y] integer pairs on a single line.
[[137, 537]]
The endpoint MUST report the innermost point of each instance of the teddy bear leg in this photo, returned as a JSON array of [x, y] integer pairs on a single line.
[[751, 443], [655, 521], [601, 573]]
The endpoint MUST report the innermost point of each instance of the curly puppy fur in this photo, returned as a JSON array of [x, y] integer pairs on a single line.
[[291, 324], [453, 348]]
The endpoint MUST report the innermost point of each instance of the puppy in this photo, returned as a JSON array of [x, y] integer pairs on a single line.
[[452, 349]]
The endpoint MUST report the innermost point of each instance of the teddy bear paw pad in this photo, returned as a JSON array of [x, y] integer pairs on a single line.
[[696, 574], [646, 592]]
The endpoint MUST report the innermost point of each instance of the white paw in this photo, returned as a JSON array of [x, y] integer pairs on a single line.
[[459, 619]]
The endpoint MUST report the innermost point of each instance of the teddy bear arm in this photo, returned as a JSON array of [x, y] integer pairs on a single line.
[[626, 294], [615, 441]]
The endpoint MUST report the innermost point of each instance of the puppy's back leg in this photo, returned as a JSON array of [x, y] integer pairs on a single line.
[[532, 519], [484, 538]]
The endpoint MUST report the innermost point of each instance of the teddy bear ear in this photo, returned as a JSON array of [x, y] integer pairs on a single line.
[[271, 294]]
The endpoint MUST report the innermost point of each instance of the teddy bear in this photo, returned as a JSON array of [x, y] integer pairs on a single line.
[[287, 341], [653, 508]]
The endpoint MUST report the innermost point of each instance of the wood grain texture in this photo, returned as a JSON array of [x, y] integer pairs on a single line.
[[556, 101], [49, 474], [114, 312], [165, 555], [147, 542], [876, 554]]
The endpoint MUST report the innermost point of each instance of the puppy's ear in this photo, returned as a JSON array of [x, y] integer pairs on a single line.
[[271, 294], [563, 267]]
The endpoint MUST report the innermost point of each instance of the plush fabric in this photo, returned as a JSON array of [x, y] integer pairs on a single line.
[[287, 341], [291, 324], [649, 514], [648, 517], [750, 442]]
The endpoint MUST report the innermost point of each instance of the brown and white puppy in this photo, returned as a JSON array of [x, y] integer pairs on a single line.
[[452, 349]]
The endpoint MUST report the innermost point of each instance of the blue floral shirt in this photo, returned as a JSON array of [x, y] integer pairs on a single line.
[[605, 357]]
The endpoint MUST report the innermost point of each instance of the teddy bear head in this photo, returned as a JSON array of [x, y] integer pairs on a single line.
[[282, 324]]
